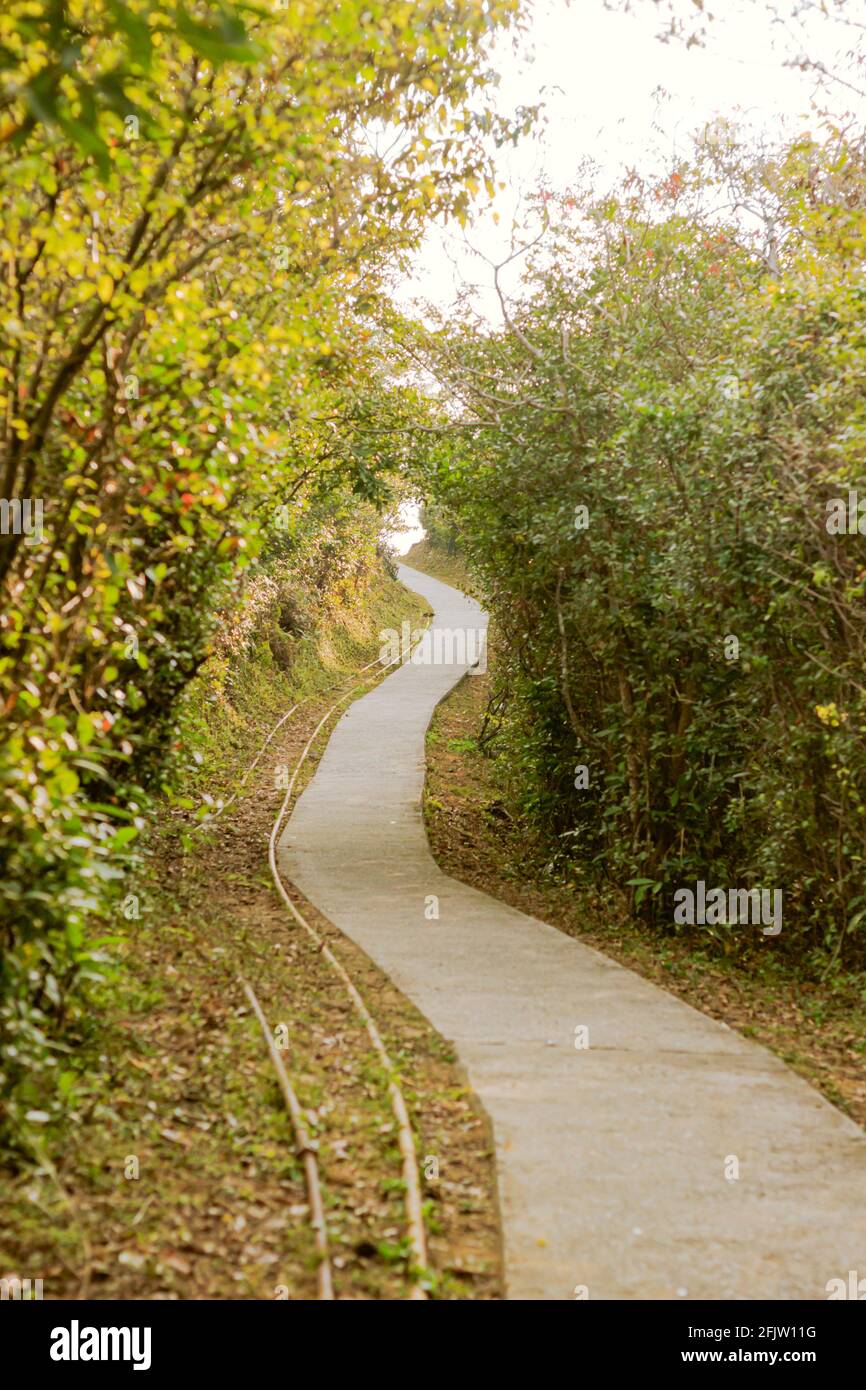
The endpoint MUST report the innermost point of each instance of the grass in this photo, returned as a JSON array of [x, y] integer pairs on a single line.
[[441, 564]]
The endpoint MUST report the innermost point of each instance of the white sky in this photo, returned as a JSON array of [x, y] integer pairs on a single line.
[[617, 95], [600, 76]]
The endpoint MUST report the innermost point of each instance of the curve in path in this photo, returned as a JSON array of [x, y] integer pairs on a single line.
[[613, 1162]]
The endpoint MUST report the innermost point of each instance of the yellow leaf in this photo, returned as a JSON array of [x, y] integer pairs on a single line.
[[105, 288]]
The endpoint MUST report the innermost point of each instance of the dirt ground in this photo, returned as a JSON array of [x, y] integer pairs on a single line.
[[178, 1176]]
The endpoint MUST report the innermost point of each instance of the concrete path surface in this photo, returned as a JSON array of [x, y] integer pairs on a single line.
[[616, 1161]]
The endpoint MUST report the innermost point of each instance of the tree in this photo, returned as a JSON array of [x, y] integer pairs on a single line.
[[201, 204]]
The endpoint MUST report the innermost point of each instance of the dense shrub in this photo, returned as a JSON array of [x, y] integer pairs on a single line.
[[695, 637]]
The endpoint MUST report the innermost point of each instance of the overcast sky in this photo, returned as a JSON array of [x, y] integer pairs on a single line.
[[615, 93]]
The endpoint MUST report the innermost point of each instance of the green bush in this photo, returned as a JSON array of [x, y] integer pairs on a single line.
[[695, 637]]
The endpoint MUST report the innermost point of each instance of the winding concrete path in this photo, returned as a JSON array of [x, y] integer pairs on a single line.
[[612, 1160]]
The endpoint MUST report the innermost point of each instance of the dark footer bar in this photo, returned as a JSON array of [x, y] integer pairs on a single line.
[[57, 1340]]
